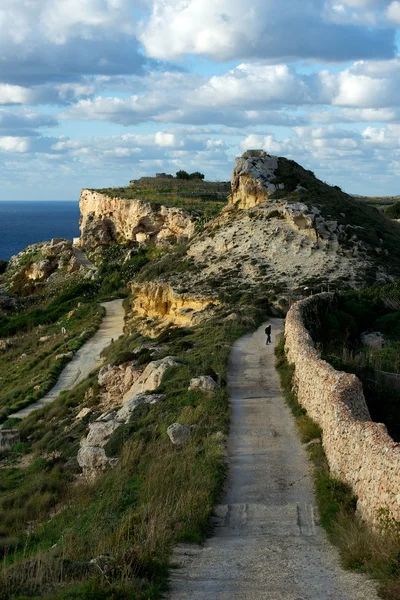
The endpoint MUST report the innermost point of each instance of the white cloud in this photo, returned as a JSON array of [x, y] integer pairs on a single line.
[[14, 144], [233, 29]]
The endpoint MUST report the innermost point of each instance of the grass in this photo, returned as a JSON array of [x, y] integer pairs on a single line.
[[28, 370], [133, 515], [204, 198], [376, 553]]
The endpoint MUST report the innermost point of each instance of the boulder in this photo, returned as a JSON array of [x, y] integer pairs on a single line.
[[204, 383], [5, 344], [179, 434], [91, 455], [374, 340], [151, 377], [129, 406]]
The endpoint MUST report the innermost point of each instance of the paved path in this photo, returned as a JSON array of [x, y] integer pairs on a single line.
[[86, 359], [267, 544]]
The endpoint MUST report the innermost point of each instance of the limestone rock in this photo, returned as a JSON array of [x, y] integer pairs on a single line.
[[65, 355], [129, 406], [162, 302], [38, 271], [374, 340], [253, 179], [205, 383], [83, 413], [105, 220], [151, 377], [179, 434], [91, 455], [5, 344]]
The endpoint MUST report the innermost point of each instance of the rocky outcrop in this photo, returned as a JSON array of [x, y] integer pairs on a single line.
[[253, 179], [160, 301], [105, 220], [360, 452], [92, 457], [45, 262], [276, 234], [119, 384]]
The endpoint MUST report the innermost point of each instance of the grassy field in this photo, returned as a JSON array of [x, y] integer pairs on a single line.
[[54, 523], [32, 340]]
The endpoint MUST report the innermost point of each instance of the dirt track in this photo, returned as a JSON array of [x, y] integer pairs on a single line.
[[86, 359], [267, 543]]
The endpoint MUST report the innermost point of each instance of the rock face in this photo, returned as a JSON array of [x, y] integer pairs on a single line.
[[253, 179], [204, 383], [160, 301], [105, 220], [44, 262], [276, 235], [92, 457]]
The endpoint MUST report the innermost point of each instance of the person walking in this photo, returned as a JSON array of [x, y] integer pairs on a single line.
[[268, 334]]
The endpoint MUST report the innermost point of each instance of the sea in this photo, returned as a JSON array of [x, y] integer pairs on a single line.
[[27, 222]]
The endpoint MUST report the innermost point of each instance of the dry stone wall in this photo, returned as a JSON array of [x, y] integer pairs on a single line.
[[360, 452]]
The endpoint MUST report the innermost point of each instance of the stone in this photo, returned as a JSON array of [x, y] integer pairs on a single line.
[[65, 355], [5, 344], [105, 220], [44, 338], [231, 317], [179, 434], [151, 377], [253, 179], [374, 340], [129, 406], [83, 413], [91, 455], [204, 383]]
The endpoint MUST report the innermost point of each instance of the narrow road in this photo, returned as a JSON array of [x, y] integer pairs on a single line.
[[267, 543], [86, 359]]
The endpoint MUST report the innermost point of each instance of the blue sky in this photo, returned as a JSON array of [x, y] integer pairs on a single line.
[[94, 93]]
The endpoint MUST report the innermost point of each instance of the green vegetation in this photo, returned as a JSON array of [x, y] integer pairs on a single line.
[[184, 175], [3, 266], [157, 495], [393, 211], [376, 553], [29, 369], [205, 198]]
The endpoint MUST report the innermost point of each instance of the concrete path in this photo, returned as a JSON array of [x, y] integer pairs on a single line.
[[86, 359], [267, 544]]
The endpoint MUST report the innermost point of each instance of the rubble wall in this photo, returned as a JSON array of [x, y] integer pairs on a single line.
[[360, 452]]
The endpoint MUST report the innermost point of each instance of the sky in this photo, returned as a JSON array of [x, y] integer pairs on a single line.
[[94, 93]]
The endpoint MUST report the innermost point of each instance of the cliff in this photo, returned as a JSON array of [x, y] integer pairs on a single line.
[[284, 230], [105, 220], [160, 302]]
